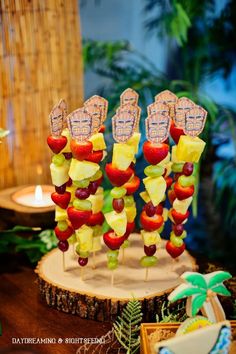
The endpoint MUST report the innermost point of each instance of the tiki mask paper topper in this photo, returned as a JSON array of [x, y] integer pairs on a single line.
[[134, 109], [158, 107], [157, 127], [96, 114], [195, 121], [80, 124], [123, 125], [57, 118], [100, 102], [129, 96], [168, 98], [182, 106]]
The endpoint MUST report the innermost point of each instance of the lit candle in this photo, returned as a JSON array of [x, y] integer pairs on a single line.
[[34, 196]]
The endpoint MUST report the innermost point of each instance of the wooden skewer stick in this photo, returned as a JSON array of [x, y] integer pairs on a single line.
[[146, 274], [94, 258], [82, 273], [63, 262], [123, 256], [112, 278]]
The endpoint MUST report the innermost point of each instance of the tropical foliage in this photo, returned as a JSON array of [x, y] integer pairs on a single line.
[[168, 314]]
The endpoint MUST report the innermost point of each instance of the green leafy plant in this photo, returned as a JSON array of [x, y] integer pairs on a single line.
[[168, 314], [127, 327]]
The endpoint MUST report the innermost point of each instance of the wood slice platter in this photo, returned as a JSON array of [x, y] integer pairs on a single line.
[[94, 297]]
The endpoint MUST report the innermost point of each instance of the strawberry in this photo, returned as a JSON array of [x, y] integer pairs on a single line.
[[175, 132], [56, 144], [96, 219], [62, 200], [171, 196], [78, 217], [132, 186], [130, 228], [178, 217], [112, 240], [155, 153], [174, 251], [102, 129], [183, 192], [95, 156], [159, 209], [116, 176], [63, 235], [81, 150], [169, 181], [151, 223]]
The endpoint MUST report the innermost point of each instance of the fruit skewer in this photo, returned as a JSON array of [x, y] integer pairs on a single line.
[[58, 142], [120, 172], [155, 151], [187, 152], [83, 173]]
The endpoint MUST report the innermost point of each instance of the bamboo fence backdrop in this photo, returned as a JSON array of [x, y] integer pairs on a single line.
[[40, 62]]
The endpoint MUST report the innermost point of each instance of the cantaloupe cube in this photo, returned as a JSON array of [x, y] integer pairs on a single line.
[[145, 196], [123, 155], [97, 244], [190, 149], [117, 221], [181, 206], [59, 174], [97, 200], [134, 141], [131, 213], [82, 169], [66, 133], [174, 158], [98, 142], [84, 236], [60, 214], [150, 237], [156, 187]]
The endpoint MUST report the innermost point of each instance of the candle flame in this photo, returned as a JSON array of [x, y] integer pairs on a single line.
[[38, 194]]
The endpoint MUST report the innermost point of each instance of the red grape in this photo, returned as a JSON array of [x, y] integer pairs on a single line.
[[93, 186], [69, 182], [68, 155], [118, 204], [82, 261], [150, 209], [150, 250], [82, 193], [61, 189], [159, 209], [188, 168], [63, 245], [178, 229]]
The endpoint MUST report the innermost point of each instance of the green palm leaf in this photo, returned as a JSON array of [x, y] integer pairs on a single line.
[[195, 279], [183, 291], [218, 277], [197, 303], [221, 290]]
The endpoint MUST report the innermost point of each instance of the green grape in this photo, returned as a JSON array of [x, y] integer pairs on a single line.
[[125, 244], [84, 254], [147, 261], [118, 192], [186, 181], [154, 171], [183, 235], [81, 184], [62, 225], [112, 255], [96, 176], [129, 200], [177, 167], [176, 240], [58, 159], [82, 204], [77, 249], [112, 265], [161, 228], [97, 230], [72, 239]]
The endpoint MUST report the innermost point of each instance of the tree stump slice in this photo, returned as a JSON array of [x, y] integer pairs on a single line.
[[94, 297]]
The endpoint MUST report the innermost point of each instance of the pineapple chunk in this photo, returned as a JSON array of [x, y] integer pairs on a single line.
[[181, 206], [173, 155], [144, 195], [165, 214], [60, 214], [97, 245], [82, 169], [150, 238], [165, 161], [84, 236], [98, 142], [123, 155], [72, 190], [190, 149], [59, 174], [134, 141], [97, 200], [156, 188], [66, 133], [117, 221], [131, 213]]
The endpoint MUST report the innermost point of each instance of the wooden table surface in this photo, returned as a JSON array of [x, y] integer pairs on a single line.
[[22, 314]]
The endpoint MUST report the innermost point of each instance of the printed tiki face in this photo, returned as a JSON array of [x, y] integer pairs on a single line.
[[195, 121], [128, 108], [129, 96], [96, 114], [158, 107], [168, 98], [80, 124], [63, 106], [100, 102], [157, 127], [123, 125], [182, 106], [56, 121]]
